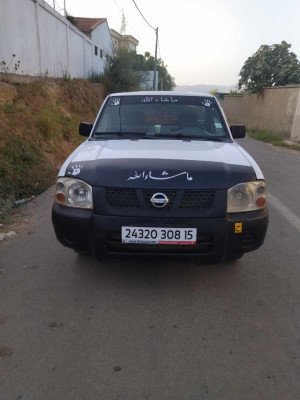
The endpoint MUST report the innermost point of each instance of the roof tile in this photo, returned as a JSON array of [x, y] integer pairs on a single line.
[[88, 24]]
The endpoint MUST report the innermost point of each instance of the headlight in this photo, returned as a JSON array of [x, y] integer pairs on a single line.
[[248, 196], [73, 193]]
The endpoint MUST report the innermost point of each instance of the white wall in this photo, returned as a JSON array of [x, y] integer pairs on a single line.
[[46, 43], [18, 35], [102, 39]]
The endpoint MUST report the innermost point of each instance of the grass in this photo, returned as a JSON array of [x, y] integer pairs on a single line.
[[20, 162], [38, 131], [5, 210], [271, 137], [96, 77]]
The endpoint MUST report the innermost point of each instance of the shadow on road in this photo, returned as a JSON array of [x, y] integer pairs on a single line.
[[145, 272]]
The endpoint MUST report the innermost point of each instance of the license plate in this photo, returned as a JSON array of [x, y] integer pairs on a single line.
[[147, 235]]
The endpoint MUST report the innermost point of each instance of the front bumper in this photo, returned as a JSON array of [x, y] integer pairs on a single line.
[[217, 238]]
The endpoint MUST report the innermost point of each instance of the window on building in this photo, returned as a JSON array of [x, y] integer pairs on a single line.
[[101, 53], [96, 50]]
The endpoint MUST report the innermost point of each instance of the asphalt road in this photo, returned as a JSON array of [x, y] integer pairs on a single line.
[[72, 328]]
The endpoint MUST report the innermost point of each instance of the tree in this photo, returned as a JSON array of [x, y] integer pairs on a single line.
[[125, 71], [119, 75], [270, 66], [146, 63], [213, 92]]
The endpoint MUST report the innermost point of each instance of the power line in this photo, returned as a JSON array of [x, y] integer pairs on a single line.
[[131, 26], [143, 16], [156, 42]]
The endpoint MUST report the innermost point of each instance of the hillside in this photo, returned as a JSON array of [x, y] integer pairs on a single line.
[[38, 129]]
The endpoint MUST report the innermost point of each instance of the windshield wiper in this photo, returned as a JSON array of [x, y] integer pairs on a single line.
[[214, 138], [184, 136], [123, 135], [119, 133]]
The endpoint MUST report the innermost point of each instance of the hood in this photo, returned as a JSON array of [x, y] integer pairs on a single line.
[[165, 164]]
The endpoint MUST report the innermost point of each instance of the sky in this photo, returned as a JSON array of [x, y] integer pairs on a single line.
[[200, 41]]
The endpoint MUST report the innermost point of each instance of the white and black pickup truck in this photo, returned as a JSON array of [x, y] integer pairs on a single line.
[[161, 174]]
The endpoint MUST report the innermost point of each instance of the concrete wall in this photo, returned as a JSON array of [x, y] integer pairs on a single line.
[[45, 43], [295, 135], [101, 36], [276, 109]]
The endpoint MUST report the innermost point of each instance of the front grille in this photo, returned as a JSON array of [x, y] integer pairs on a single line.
[[122, 197], [171, 194], [188, 199], [197, 199]]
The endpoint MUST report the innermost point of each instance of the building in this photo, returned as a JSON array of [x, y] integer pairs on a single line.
[[98, 31], [126, 41]]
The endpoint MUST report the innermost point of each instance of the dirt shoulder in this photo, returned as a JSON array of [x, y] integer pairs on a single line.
[[23, 219]]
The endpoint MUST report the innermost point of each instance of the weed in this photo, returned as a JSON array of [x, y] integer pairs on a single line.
[[9, 109], [288, 145], [20, 161], [44, 125], [39, 131], [20, 84], [96, 77], [271, 137], [66, 76], [66, 124], [8, 67], [5, 209]]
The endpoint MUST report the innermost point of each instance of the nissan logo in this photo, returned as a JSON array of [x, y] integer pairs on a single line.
[[159, 200]]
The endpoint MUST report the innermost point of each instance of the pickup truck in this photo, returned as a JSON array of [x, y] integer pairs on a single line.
[[160, 174]]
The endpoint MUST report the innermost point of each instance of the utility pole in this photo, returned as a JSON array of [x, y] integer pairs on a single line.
[[155, 62]]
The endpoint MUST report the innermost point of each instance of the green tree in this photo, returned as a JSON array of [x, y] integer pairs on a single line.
[[213, 92], [273, 65], [146, 63], [125, 71], [119, 75]]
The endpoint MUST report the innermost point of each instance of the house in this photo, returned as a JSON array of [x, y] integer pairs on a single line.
[[98, 31], [126, 41]]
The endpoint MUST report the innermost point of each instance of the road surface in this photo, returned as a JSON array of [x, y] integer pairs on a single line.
[[72, 328]]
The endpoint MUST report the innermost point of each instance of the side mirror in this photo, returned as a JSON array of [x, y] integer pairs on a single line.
[[85, 128], [238, 131]]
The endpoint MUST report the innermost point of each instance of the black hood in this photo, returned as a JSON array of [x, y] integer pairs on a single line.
[[160, 174]]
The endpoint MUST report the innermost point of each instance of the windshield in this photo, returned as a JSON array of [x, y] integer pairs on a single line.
[[165, 116]]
